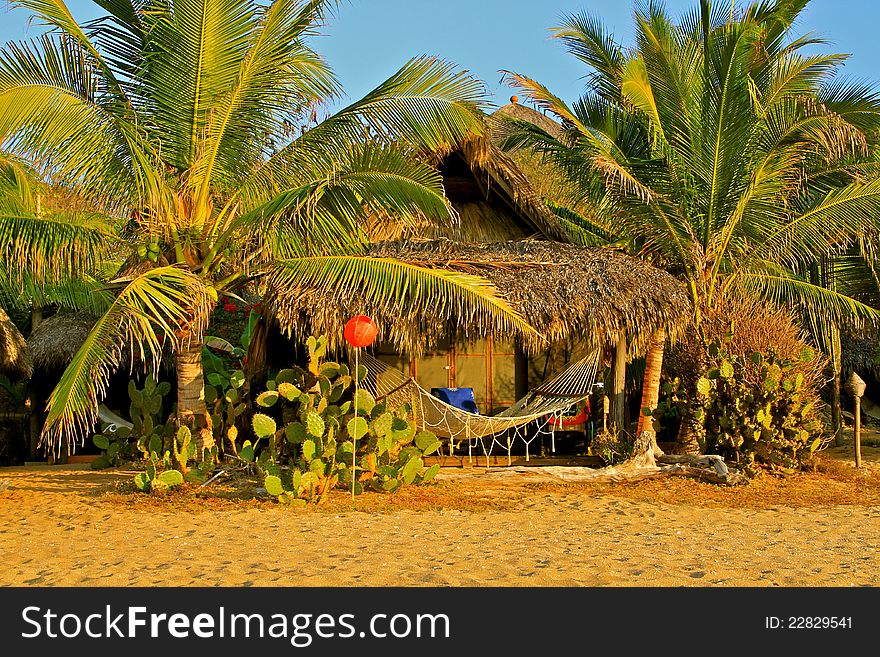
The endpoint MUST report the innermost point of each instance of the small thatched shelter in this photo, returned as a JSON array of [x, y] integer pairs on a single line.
[[592, 295], [56, 339], [578, 299], [15, 358]]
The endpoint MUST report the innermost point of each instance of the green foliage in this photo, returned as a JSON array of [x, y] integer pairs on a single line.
[[172, 459], [225, 395], [755, 410], [115, 445], [145, 410], [324, 444], [611, 447], [678, 148], [158, 476], [169, 452]]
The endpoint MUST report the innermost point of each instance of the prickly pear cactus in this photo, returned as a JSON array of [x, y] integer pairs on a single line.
[[226, 400], [329, 439], [754, 410], [145, 410]]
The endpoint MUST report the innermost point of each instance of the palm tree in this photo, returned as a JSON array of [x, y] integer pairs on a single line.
[[188, 132], [719, 150]]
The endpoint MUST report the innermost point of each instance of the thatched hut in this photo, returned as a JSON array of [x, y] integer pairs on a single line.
[[56, 340], [579, 299], [15, 359], [492, 198]]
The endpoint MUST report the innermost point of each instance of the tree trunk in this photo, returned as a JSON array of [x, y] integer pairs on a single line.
[[34, 424], [651, 382], [191, 408], [836, 411], [686, 442], [258, 350], [618, 387]]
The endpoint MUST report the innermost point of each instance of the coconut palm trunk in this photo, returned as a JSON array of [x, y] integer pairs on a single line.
[[191, 408], [651, 384]]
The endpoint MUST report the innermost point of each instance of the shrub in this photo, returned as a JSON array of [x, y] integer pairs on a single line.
[[145, 411], [756, 410], [324, 444], [611, 447]]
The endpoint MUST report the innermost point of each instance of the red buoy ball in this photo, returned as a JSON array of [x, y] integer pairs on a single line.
[[360, 331]]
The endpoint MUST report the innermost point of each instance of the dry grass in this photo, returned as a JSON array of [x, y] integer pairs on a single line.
[[834, 482], [808, 490], [242, 493]]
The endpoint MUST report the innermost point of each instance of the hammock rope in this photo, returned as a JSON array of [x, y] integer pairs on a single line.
[[544, 406]]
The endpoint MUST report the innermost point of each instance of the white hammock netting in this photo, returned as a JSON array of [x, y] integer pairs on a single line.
[[544, 407]]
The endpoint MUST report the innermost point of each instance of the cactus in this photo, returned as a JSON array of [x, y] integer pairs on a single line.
[[145, 409], [314, 451], [182, 450], [753, 410]]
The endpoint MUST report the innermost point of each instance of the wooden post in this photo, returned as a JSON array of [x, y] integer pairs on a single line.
[[857, 433], [856, 387], [520, 369], [618, 389], [605, 408]]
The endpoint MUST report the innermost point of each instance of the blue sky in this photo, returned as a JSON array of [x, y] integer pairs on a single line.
[[370, 39]]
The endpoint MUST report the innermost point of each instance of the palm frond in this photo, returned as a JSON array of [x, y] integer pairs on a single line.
[[50, 248], [398, 287], [166, 303], [814, 302]]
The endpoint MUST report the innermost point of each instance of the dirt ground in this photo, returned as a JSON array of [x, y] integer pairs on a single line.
[[68, 525]]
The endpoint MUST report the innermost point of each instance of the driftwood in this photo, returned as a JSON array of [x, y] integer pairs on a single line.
[[648, 462]]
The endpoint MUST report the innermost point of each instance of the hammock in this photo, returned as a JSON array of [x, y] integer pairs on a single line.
[[551, 400]]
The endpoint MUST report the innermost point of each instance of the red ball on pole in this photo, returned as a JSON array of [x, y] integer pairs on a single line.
[[360, 331]]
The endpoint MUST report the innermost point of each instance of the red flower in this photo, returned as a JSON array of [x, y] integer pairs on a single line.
[[230, 307]]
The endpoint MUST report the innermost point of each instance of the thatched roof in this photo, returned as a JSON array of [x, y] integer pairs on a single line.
[[56, 340], [860, 352], [15, 358], [545, 177], [518, 111], [493, 197], [561, 290]]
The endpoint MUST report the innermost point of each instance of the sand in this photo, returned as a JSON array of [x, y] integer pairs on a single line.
[[70, 526]]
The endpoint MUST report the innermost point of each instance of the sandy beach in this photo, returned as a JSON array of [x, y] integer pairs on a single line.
[[74, 527]]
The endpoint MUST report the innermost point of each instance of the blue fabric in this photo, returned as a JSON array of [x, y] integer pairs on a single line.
[[462, 398]]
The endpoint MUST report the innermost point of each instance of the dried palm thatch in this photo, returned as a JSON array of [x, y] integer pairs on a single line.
[[562, 290], [15, 357], [544, 176], [56, 340], [860, 352], [520, 112], [502, 206]]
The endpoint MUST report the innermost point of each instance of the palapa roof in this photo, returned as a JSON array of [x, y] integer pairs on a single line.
[[15, 358], [518, 111], [56, 339], [491, 195], [562, 290], [860, 352]]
